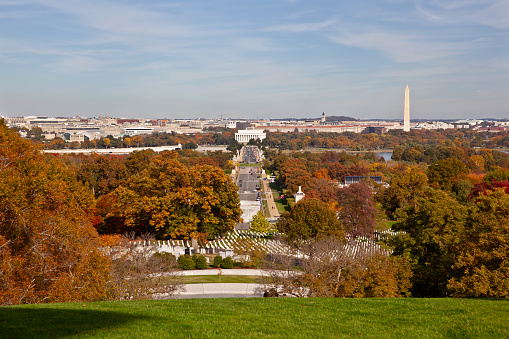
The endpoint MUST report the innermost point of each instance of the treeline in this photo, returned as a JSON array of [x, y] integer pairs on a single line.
[[368, 142], [451, 216]]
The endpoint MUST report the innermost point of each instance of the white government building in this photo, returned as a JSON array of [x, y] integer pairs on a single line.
[[243, 136]]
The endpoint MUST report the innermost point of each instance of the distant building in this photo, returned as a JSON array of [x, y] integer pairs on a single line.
[[243, 136], [356, 179], [374, 130], [243, 125], [138, 130]]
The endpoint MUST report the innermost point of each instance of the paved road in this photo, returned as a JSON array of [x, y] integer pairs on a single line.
[[249, 183]]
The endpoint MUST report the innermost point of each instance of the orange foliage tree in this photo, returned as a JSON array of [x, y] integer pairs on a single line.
[[48, 248], [171, 200]]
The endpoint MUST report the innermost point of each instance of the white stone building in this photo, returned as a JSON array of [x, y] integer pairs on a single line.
[[243, 136]]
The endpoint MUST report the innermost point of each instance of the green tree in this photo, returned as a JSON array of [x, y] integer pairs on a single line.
[[186, 262], [444, 173], [189, 145], [260, 223], [217, 261], [227, 263], [201, 262], [430, 240]]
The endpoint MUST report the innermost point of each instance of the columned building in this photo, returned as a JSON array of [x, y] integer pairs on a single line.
[[243, 136]]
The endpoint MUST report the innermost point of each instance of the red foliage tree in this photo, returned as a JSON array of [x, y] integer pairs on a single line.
[[357, 210]]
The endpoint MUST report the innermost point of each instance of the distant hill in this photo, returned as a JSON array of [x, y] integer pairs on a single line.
[[340, 118]]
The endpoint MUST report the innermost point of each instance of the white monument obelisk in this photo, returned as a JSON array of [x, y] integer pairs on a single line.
[[406, 112]]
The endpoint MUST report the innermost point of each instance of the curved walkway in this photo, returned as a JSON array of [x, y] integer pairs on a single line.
[[222, 290], [215, 271]]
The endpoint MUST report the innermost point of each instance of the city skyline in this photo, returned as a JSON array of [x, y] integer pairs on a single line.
[[254, 59]]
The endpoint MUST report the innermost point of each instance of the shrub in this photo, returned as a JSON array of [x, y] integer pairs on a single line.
[[168, 260], [227, 263], [201, 263], [186, 262], [218, 260]]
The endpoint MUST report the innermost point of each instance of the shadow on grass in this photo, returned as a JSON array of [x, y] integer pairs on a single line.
[[59, 323]]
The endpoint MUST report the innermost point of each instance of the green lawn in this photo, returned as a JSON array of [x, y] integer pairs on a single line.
[[281, 207], [384, 225], [207, 279], [261, 318]]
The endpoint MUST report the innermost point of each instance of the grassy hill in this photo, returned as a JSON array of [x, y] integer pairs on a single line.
[[260, 318]]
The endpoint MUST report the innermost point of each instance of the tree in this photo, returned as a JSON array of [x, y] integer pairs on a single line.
[[444, 173], [106, 142], [260, 223], [171, 200], [357, 210], [201, 262], [430, 239], [189, 145], [403, 190], [49, 250], [227, 263], [217, 261], [186, 262], [330, 268], [310, 218], [484, 187], [138, 272], [482, 255]]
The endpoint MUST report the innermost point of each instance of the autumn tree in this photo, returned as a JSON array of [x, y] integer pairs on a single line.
[[49, 250], [310, 218], [174, 201], [403, 190], [330, 268], [102, 173], [457, 250], [482, 255], [357, 211]]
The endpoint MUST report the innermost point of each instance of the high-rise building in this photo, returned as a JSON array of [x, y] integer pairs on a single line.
[[406, 111]]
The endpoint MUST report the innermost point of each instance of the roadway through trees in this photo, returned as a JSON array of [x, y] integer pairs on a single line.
[[251, 185]]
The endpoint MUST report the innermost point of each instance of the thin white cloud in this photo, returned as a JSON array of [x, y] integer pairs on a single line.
[[400, 47], [301, 27], [117, 18], [497, 15], [492, 13]]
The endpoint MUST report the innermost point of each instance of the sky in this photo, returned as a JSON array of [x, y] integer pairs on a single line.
[[254, 58]]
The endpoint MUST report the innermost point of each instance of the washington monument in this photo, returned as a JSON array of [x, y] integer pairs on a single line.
[[406, 112]]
